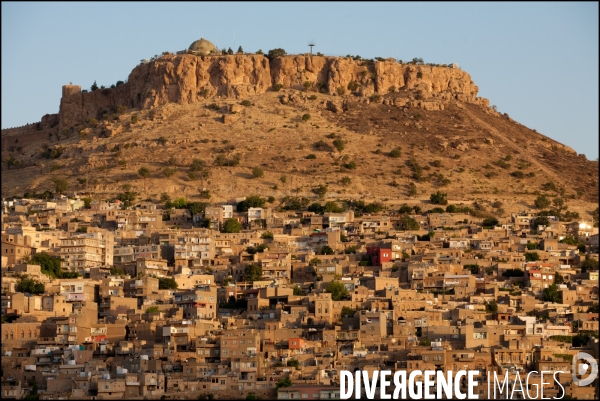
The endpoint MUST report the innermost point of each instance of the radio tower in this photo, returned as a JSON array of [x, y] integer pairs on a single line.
[[311, 43]]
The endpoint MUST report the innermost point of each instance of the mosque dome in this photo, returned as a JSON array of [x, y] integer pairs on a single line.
[[202, 47]]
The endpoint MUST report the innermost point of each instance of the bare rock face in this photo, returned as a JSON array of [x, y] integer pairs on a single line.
[[185, 79], [294, 71]]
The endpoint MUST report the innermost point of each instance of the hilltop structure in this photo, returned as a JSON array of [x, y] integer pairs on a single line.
[[203, 47]]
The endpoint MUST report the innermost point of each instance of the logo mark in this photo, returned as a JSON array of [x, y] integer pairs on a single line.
[[581, 363]]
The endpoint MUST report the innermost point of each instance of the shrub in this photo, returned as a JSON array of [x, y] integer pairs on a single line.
[[169, 172], [419, 75], [246, 103], [134, 119], [257, 172], [341, 91], [346, 181], [306, 117], [353, 86], [339, 144], [311, 156], [518, 174], [277, 87], [153, 309], [350, 166], [323, 146], [395, 153]]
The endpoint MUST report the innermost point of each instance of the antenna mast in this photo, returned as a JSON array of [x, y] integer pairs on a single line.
[[312, 43]]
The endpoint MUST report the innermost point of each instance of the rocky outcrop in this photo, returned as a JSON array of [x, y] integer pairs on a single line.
[[186, 78]]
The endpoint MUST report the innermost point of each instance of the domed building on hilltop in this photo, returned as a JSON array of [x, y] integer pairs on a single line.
[[202, 47]]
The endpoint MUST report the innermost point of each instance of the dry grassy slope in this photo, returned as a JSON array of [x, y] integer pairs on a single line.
[[259, 134]]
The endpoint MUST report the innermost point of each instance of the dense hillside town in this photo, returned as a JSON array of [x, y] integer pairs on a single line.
[[258, 297]]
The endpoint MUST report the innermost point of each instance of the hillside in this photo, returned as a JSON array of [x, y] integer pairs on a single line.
[[224, 110]]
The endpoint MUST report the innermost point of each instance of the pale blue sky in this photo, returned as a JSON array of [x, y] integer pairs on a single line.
[[538, 62]]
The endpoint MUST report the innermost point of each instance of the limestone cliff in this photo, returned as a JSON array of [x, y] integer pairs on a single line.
[[186, 79]]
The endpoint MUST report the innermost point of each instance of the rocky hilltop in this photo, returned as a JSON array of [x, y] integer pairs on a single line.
[[186, 79], [315, 120]]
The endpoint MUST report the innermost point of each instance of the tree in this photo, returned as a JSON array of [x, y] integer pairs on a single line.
[[283, 179], [283, 382], [314, 262], [250, 201], [558, 278], [551, 294], [153, 309], [117, 272], [252, 273], [257, 172], [295, 363], [87, 202], [542, 202], [439, 198], [326, 250], [532, 256], [251, 397], [60, 184], [408, 223], [167, 283], [320, 190], [305, 117], [491, 307], [412, 189], [49, 265], [240, 50], [593, 308], [196, 207], [144, 172], [94, 86], [347, 311], [490, 222], [230, 51], [274, 53], [589, 265], [298, 290], [30, 286], [337, 290], [232, 226]]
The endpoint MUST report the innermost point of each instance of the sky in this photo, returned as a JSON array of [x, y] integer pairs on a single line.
[[536, 61]]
